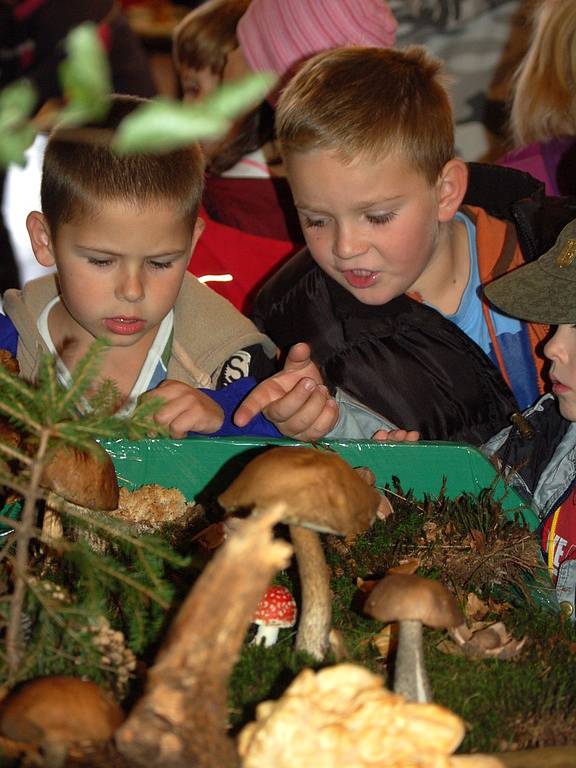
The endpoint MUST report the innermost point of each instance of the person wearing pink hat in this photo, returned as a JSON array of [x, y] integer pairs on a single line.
[[246, 187]]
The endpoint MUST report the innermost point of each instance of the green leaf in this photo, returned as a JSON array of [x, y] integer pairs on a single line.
[[16, 132], [85, 76], [232, 99], [16, 104], [163, 125]]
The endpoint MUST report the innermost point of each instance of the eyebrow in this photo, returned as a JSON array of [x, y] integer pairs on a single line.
[[86, 250], [363, 206]]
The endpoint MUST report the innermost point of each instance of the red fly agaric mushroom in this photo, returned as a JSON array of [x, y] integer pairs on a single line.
[[412, 601], [54, 713], [276, 610], [320, 492]]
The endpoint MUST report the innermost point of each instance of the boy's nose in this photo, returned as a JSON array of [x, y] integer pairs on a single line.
[[348, 244], [555, 348], [130, 287]]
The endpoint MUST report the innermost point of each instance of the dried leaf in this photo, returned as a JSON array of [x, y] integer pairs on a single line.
[[477, 540], [487, 640], [386, 641], [406, 566], [475, 608]]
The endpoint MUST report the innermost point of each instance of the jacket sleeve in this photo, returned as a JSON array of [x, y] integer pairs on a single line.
[[8, 335], [229, 398]]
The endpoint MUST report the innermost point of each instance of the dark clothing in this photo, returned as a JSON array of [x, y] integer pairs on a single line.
[[404, 359], [32, 39]]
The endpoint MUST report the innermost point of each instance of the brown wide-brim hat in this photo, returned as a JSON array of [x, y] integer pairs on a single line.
[[543, 291]]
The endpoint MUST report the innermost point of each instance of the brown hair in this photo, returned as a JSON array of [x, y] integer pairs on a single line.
[[206, 35], [369, 101], [544, 94], [81, 169]]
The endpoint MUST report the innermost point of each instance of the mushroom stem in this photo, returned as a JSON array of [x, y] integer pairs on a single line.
[[316, 610], [265, 636], [410, 676]]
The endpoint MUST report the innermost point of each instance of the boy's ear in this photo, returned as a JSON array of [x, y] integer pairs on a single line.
[[198, 229], [40, 238], [452, 186]]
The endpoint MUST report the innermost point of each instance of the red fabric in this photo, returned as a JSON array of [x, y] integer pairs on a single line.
[[564, 535], [248, 258], [260, 206]]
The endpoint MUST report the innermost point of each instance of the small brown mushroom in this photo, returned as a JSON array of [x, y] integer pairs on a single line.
[[53, 713], [321, 492], [412, 601], [87, 479]]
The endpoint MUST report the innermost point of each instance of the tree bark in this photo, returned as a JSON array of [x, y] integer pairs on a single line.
[[182, 719]]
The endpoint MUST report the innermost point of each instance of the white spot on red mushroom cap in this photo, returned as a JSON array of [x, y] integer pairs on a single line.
[[276, 608]]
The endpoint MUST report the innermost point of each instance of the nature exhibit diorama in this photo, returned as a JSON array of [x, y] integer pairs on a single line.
[[269, 604]]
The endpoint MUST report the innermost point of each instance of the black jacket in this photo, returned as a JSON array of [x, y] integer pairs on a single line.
[[404, 359]]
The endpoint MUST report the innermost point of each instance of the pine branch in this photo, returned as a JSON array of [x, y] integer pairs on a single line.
[[23, 536]]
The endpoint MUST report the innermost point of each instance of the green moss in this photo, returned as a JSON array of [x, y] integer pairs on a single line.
[[498, 700]]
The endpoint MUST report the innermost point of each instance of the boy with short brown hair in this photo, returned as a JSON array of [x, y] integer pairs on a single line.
[[120, 230], [400, 242]]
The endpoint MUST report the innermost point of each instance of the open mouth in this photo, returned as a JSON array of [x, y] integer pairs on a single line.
[[360, 278]]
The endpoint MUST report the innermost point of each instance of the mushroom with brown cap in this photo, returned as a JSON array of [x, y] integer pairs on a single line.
[[321, 493], [53, 713], [412, 601], [276, 610], [85, 478]]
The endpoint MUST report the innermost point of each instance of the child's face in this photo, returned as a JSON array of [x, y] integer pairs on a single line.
[[372, 226], [198, 83], [561, 351], [120, 271]]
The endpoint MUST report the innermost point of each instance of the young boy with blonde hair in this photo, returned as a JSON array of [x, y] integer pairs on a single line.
[[401, 236], [120, 231]]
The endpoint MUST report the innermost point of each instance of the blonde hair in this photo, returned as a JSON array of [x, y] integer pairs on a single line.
[[372, 102], [544, 99], [206, 35]]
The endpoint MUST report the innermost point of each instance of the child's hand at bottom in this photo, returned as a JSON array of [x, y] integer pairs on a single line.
[[186, 409], [295, 399], [397, 435]]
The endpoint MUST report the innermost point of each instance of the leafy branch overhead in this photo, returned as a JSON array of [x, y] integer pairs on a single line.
[[86, 82]]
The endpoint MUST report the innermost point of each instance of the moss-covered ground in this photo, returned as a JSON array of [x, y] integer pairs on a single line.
[[528, 701]]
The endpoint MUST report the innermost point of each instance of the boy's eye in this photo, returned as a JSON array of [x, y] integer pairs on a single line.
[[161, 264], [99, 262], [308, 222], [380, 218]]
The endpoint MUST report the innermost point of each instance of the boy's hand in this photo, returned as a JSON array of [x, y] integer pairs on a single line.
[[295, 399], [397, 435], [186, 409]]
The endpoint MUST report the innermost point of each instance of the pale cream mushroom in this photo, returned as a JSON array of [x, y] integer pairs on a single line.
[[321, 493], [342, 716], [412, 601], [53, 713]]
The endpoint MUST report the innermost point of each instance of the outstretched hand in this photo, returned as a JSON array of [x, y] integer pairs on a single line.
[[185, 409], [295, 399]]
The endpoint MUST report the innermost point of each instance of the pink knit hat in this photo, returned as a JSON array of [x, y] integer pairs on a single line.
[[275, 35]]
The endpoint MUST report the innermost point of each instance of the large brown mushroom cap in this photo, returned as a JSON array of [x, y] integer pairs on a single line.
[[59, 710], [82, 478], [400, 597], [320, 489]]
